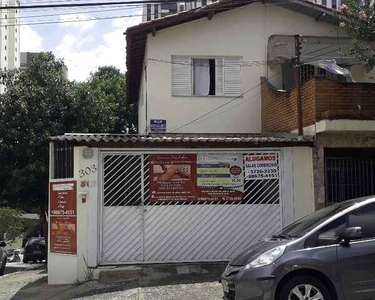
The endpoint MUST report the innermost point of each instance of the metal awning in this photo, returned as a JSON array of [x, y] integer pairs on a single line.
[[184, 140]]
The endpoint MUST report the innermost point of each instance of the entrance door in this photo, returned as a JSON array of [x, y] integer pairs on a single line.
[[349, 173], [357, 261]]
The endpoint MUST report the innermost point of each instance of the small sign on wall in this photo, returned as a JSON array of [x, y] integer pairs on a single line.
[[158, 126], [63, 217]]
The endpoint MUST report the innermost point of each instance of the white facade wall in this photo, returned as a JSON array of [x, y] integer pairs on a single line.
[[303, 182], [297, 196], [67, 269], [242, 32]]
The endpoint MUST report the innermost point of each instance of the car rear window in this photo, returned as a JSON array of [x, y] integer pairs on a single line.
[[36, 241]]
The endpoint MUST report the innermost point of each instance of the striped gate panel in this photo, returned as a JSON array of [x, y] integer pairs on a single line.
[[122, 212], [136, 230]]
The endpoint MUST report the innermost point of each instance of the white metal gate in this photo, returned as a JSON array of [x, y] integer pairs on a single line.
[[133, 229]]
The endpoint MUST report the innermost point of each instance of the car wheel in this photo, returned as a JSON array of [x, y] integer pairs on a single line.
[[2, 269], [25, 260], [306, 288]]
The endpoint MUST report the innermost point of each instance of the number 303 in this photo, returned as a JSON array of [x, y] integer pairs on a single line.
[[87, 171]]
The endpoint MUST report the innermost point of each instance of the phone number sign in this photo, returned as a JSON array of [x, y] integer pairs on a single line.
[[262, 166], [63, 217]]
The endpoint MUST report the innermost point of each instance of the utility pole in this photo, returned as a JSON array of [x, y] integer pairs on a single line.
[[297, 69]]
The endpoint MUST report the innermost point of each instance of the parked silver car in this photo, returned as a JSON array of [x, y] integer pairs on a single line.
[[327, 255]]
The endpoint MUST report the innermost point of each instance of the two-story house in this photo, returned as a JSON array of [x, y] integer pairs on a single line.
[[184, 66], [199, 72], [209, 172]]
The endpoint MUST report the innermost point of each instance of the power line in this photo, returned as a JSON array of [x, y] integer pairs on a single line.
[[224, 104], [122, 8], [321, 54], [77, 12], [72, 21], [38, 6], [44, 22], [220, 113], [70, 5]]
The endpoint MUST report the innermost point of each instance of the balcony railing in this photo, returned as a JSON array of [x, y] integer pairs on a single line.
[[322, 99]]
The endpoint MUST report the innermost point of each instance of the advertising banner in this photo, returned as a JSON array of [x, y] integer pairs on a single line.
[[178, 177], [63, 235], [262, 166], [63, 217], [172, 177], [63, 198], [220, 170]]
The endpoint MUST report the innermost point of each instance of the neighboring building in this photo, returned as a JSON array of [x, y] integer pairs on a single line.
[[160, 10], [25, 61], [341, 117], [9, 37]]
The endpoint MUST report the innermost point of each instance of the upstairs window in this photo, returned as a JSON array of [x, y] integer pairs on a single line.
[[156, 9], [148, 12], [206, 76]]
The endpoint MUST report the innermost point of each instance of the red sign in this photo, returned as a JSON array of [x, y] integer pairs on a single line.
[[63, 234], [173, 177], [63, 200], [63, 217]]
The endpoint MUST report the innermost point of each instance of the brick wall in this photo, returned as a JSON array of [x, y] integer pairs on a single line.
[[321, 99], [335, 99], [279, 109]]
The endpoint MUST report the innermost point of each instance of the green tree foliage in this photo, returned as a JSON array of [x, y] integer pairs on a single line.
[[10, 223], [40, 102], [358, 19]]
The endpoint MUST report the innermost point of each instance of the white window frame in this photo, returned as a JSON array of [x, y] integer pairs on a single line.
[[191, 83], [192, 75]]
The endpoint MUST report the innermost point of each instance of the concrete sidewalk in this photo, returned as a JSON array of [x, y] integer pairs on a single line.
[[32, 285]]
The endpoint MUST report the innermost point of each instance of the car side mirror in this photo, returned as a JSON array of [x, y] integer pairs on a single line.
[[3, 244], [351, 234], [327, 239]]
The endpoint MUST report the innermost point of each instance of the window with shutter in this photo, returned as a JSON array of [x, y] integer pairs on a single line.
[[219, 77], [181, 78], [232, 77], [206, 76]]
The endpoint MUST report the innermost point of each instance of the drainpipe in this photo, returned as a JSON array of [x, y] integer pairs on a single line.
[[297, 68]]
